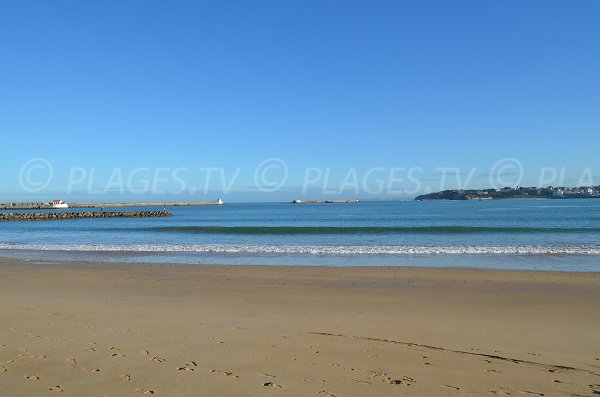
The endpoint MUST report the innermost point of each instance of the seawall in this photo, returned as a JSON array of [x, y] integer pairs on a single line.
[[51, 216], [145, 204], [49, 206]]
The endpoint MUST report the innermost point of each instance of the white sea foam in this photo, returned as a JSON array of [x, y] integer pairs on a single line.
[[318, 250]]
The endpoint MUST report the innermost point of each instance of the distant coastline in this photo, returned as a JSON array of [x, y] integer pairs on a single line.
[[518, 193]]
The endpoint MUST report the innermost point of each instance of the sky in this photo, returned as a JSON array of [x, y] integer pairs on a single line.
[[277, 100]]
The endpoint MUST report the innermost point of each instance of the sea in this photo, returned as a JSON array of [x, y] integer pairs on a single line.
[[558, 235]]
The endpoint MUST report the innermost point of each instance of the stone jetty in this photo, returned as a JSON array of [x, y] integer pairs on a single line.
[[53, 205], [51, 216], [146, 204]]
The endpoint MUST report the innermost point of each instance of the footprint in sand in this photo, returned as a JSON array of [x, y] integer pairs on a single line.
[[29, 354], [91, 349], [405, 380], [189, 366], [271, 384], [120, 355], [158, 360], [145, 391], [226, 373], [90, 370], [32, 377], [125, 377], [505, 393], [57, 389], [329, 394], [530, 392], [3, 370], [71, 361], [451, 387]]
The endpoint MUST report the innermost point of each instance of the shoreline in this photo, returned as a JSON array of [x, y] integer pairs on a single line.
[[543, 262], [177, 330], [78, 263]]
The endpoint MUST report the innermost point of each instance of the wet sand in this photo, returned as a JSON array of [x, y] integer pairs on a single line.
[[93, 329]]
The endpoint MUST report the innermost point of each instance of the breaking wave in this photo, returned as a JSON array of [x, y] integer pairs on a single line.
[[316, 249]]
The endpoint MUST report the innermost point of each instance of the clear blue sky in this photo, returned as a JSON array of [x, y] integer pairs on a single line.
[[329, 84]]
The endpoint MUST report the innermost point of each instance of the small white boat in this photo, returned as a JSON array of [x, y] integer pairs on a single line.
[[59, 204]]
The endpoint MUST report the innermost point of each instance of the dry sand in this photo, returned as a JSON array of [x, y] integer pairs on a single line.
[[93, 329]]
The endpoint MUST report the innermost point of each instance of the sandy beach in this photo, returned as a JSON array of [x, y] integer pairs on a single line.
[[94, 329]]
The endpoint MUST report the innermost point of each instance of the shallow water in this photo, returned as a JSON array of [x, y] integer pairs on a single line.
[[541, 235]]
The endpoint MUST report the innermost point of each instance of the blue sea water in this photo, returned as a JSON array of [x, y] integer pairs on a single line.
[[509, 234]]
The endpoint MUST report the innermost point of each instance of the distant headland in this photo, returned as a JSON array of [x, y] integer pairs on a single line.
[[515, 193]]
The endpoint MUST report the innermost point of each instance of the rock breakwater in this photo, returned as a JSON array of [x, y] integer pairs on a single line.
[[50, 216]]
